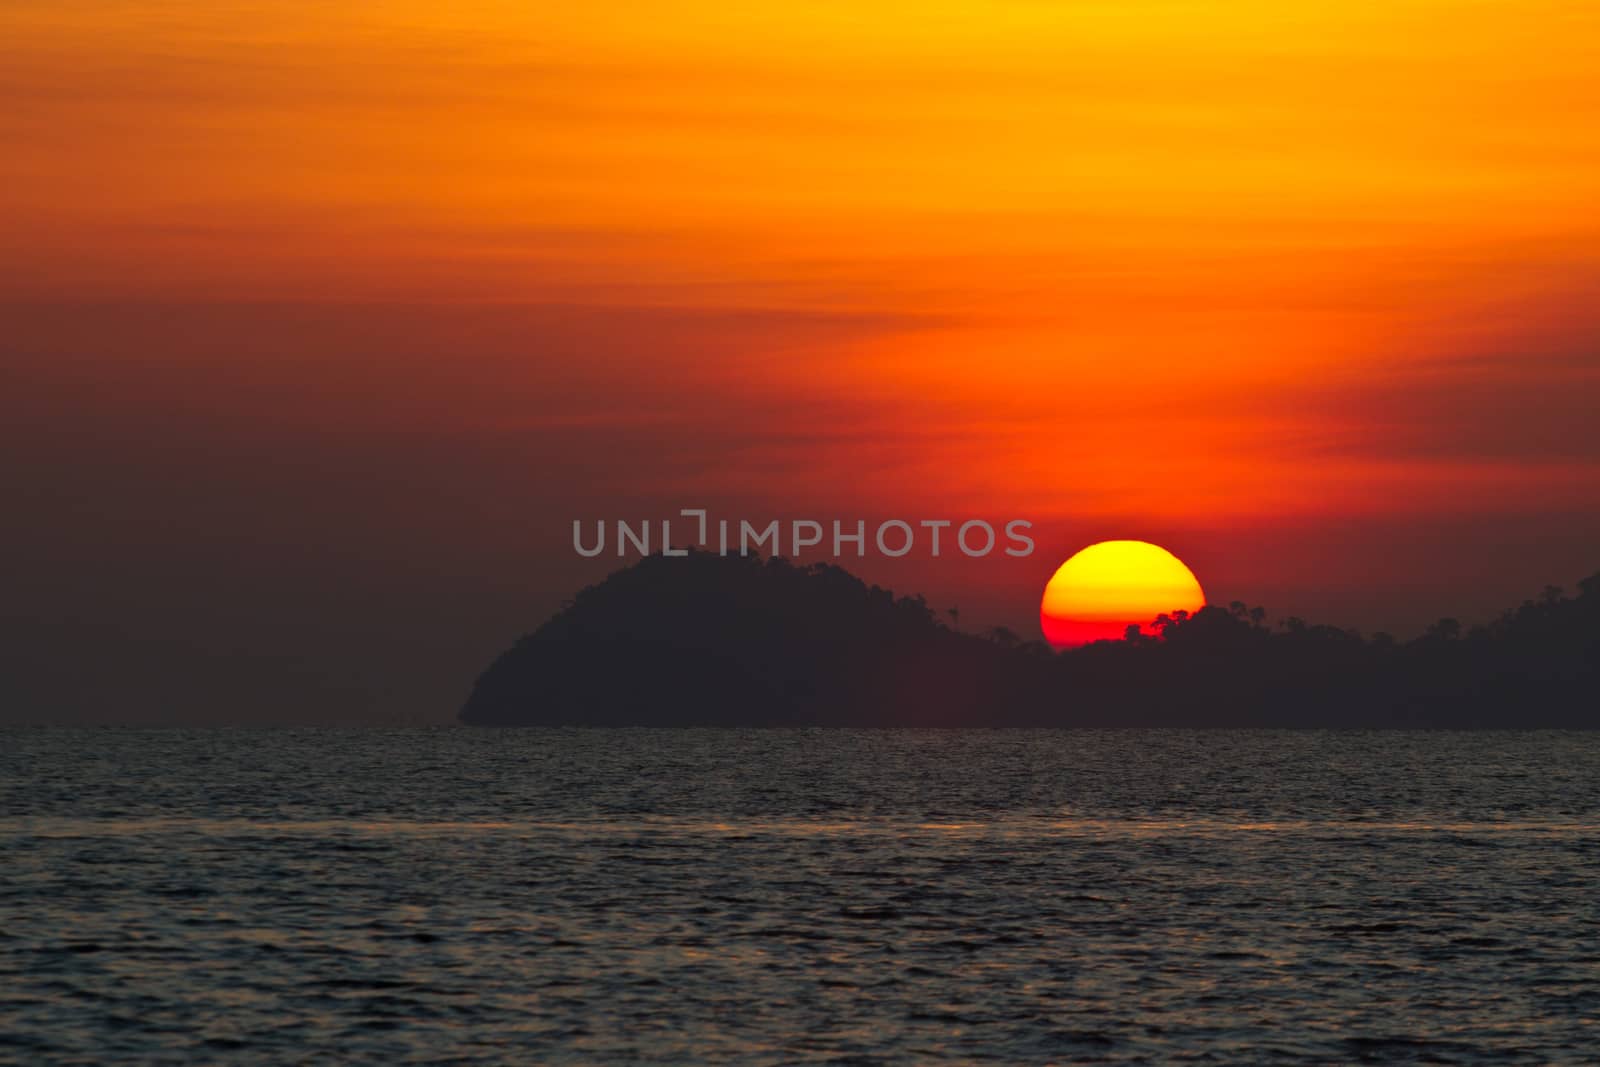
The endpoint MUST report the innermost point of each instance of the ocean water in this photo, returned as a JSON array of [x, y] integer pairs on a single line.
[[556, 896]]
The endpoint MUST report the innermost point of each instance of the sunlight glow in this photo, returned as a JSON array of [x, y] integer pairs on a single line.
[[1102, 590]]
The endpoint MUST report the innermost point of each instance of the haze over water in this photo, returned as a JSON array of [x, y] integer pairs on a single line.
[[798, 896]]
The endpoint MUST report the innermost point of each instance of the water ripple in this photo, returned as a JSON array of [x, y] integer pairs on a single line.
[[798, 897]]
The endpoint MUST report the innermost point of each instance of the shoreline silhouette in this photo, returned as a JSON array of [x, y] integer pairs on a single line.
[[710, 640]]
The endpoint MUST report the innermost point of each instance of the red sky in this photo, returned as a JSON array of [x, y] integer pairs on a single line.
[[320, 326]]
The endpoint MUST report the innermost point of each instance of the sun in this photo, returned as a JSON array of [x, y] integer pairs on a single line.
[[1098, 593]]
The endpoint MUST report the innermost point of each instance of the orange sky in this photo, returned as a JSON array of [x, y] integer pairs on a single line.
[[1229, 276]]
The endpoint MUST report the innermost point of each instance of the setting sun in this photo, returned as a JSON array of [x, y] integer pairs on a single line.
[[1101, 591]]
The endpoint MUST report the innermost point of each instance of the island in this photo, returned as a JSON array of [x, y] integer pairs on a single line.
[[712, 640]]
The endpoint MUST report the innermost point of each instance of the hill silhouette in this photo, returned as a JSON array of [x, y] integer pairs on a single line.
[[709, 640]]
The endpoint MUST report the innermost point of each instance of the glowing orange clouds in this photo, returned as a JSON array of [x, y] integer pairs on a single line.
[[1102, 590], [1213, 270]]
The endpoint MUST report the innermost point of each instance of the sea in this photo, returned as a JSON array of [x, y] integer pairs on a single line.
[[543, 896]]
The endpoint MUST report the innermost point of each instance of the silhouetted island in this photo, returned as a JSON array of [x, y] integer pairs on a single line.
[[709, 640]]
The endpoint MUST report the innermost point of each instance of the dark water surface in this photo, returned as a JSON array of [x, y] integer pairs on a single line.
[[784, 897]]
